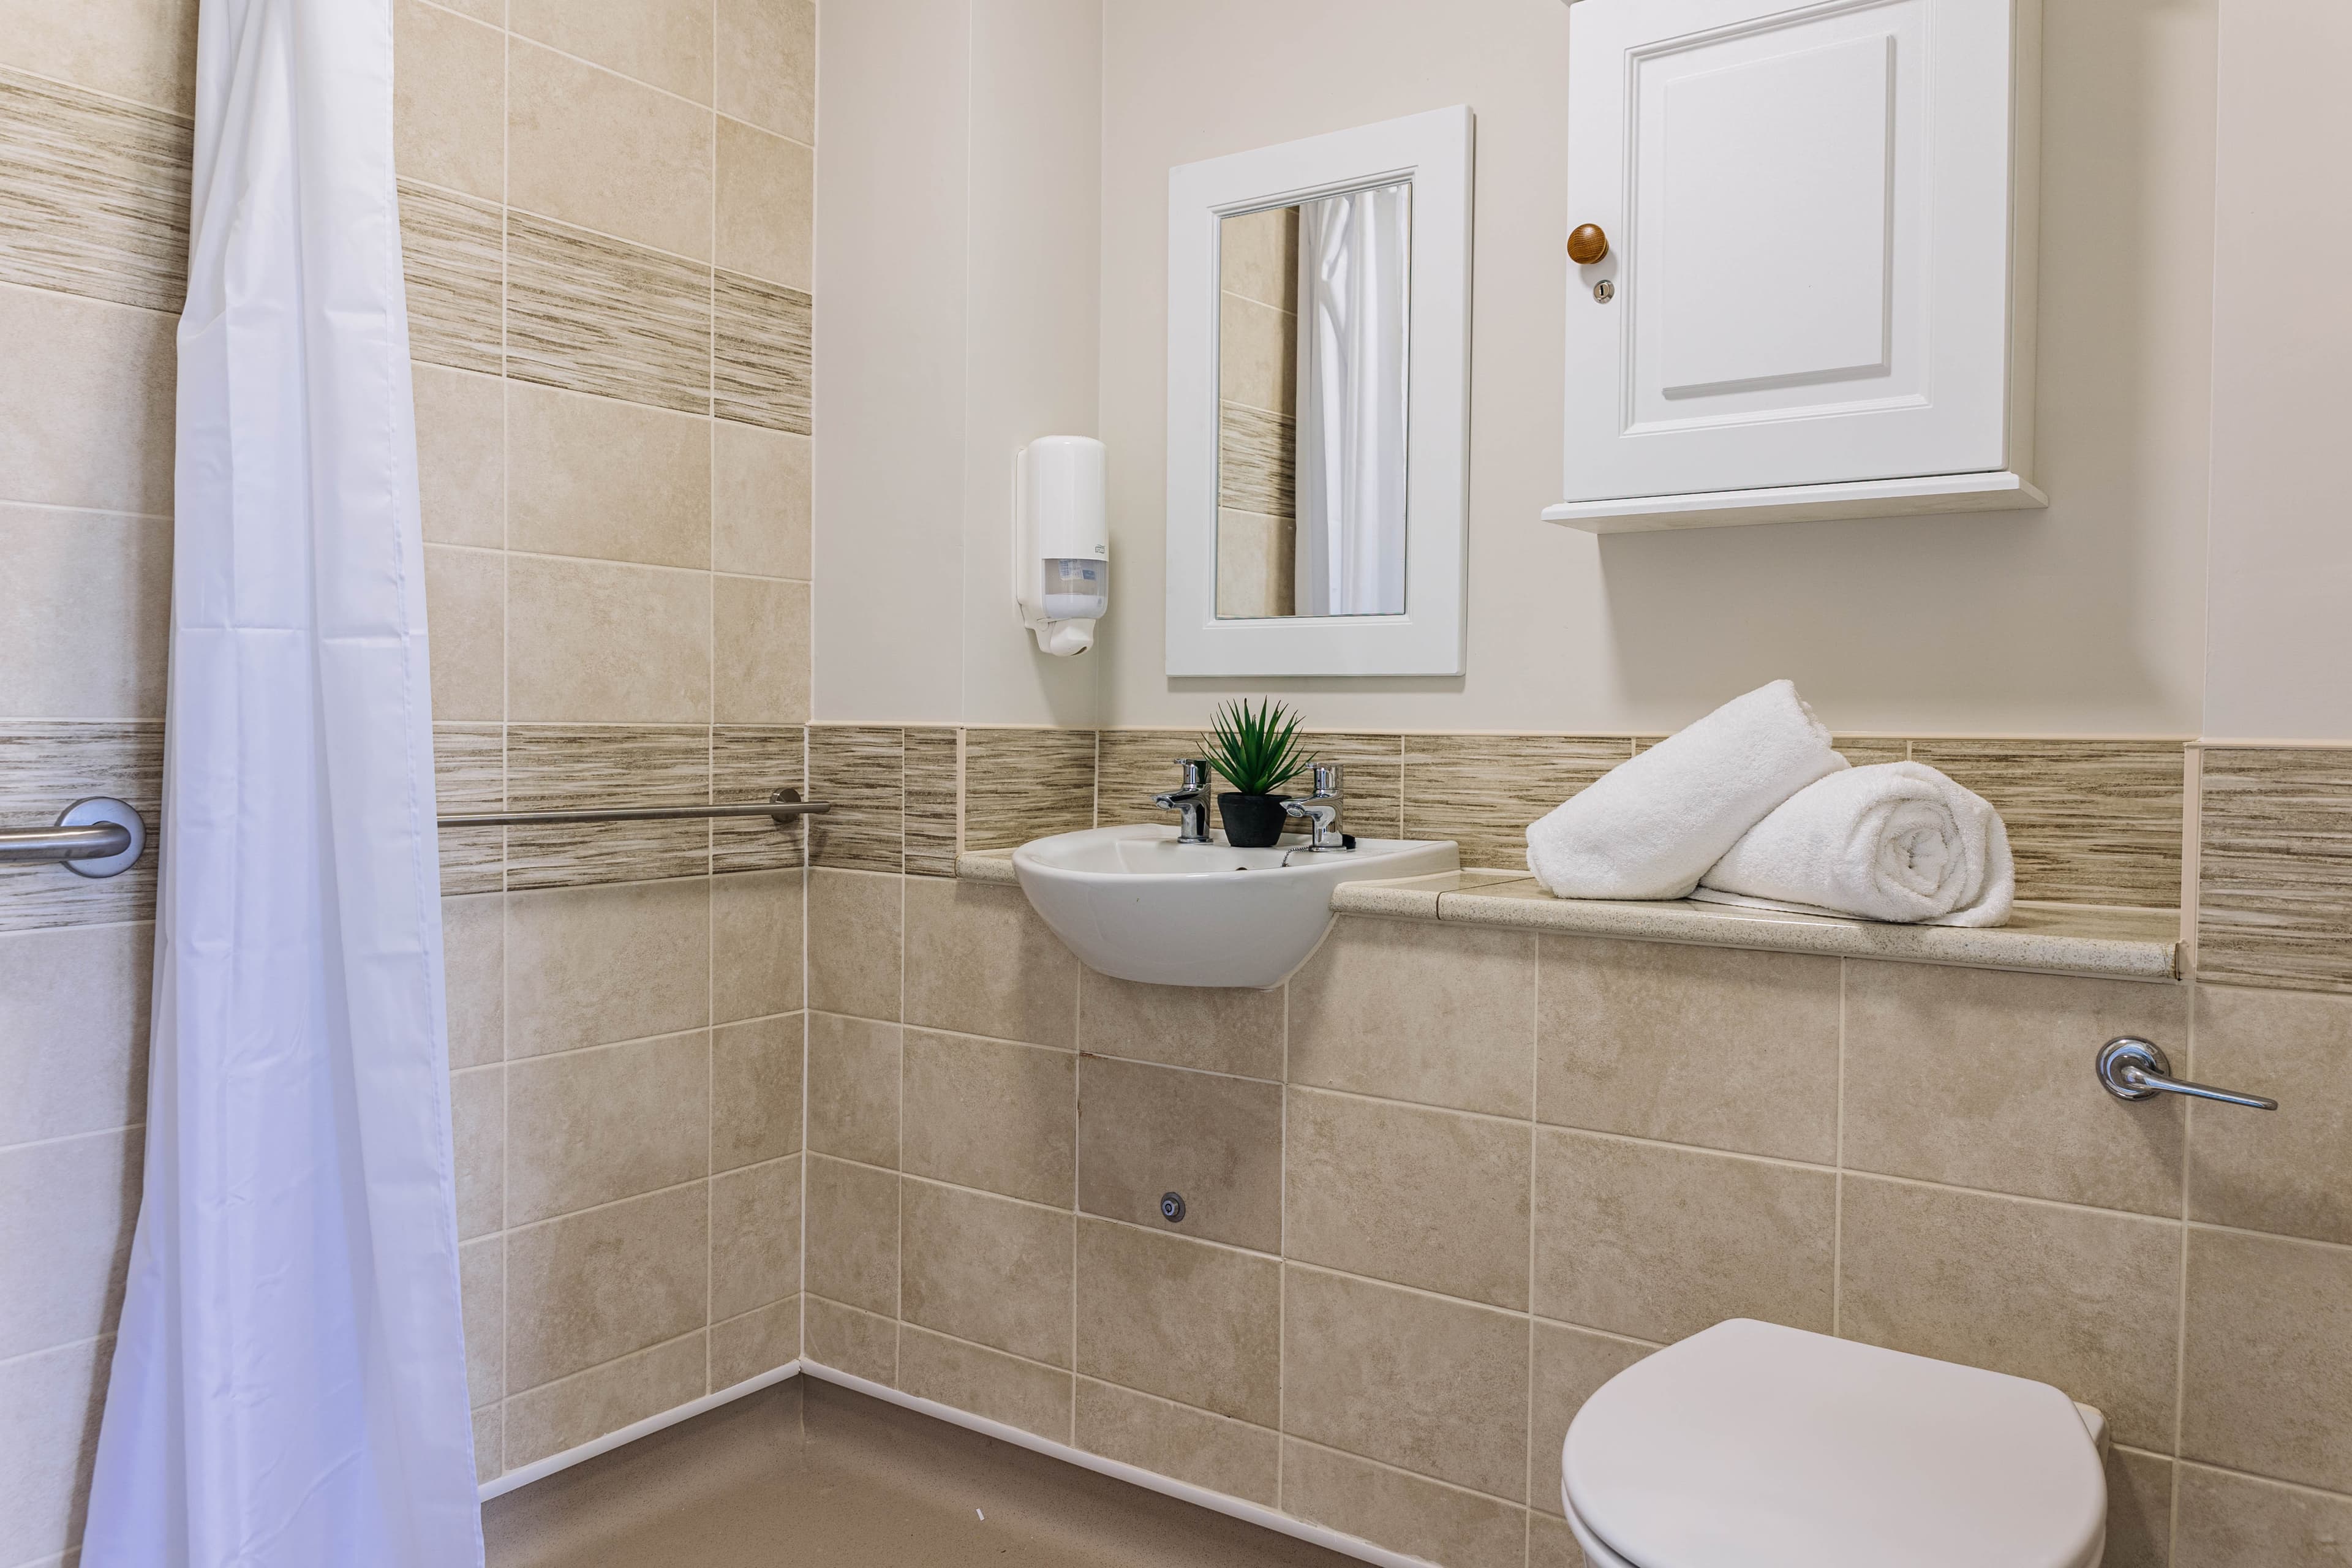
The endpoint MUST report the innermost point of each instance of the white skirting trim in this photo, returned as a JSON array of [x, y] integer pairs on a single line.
[[545, 1467], [1135, 1475]]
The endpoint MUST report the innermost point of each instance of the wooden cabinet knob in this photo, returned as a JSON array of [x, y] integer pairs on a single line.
[[1587, 244]]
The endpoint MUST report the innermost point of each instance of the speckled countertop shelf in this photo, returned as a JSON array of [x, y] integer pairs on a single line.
[[2050, 939]]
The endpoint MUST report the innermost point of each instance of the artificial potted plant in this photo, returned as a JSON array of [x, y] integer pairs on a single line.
[[1257, 751]]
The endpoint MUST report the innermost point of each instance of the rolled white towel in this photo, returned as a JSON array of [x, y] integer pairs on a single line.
[[1898, 841], [1649, 827]]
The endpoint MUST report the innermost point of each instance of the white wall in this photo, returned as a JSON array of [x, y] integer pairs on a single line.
[[2086, 618], [2279, 660], [956, 313]]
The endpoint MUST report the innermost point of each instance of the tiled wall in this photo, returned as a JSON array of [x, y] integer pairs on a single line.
[[606, 212], [1258, 426], [1445, 1181]]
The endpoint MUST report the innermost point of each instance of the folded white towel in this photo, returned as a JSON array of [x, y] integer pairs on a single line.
[[1649, 827], [1898, 841]]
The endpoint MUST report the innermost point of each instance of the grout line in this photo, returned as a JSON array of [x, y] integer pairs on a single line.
[[1837, 1202]]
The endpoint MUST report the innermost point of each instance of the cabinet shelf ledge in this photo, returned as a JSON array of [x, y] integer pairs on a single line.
[[1918, 497]]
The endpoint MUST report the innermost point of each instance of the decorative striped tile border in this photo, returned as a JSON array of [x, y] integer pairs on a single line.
[[2274, 868], [93, 194], [566, 767], [592, 314], [1371, 780], [452, 251], [46, 766], [862, 771], [1133, 765], [2090, 822], [1482, 791], [750, 764], [469, 764], [1255, 461], [934, 806], [761, 371], [1020, 784]]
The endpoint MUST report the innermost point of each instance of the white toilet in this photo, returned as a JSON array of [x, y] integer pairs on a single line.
[[1752, 1446]]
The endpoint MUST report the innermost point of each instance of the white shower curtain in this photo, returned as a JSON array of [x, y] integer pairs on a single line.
[[288, 1385], [1353, 256]]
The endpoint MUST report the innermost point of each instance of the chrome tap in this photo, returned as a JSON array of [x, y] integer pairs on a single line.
[[1189, 801], [1321, 811]]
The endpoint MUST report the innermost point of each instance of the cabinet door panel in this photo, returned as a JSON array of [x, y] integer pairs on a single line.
[[1810, 240]]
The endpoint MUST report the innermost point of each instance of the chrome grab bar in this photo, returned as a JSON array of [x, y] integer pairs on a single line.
[[96, 836], [783, 805], [2134, 1068]]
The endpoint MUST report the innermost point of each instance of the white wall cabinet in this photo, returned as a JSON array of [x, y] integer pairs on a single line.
[[1817, 295]]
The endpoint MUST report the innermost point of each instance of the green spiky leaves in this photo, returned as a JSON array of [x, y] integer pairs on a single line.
[[1256, 750]]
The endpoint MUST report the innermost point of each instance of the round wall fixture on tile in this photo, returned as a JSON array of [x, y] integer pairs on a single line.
[[1171, 1207]]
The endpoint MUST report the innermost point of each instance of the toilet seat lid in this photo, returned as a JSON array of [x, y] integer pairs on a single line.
[[1753, 1446]]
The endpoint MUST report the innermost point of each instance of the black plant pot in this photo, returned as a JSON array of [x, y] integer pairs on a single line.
[[1252, 821]]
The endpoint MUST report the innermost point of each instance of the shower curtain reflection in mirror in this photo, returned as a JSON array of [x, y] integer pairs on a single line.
[[1312, 347]]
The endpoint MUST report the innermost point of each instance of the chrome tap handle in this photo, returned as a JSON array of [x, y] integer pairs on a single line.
[[2134, 1068], [1320, 811], [1189, 801]]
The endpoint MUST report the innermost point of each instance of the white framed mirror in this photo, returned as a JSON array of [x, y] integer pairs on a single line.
[[1318, 343]]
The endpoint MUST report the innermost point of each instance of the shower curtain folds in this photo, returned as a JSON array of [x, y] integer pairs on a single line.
[[289, 1383]]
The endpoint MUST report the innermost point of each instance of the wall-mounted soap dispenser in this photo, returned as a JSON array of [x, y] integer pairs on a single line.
[[1061, 540]]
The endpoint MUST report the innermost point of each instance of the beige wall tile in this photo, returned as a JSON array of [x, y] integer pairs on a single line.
[[612, 481], [557, 767], [2275, 864], [89, 614], [986, 1382], [1419, 1012], [755, 1091], [755, 1236], [758, 1341], [1439, 1387], [96, 192], [2268, 1388], [760, 501], [1256, 571], [755, 945], [563, 1415], [2235, 1521], [853, 959], [592, 1286], [1568, 1368], [761, 637], [1024, 783], [1433, 1198], [1188, 1322], [2139, 1509], [2290, 1169], [600, 315], [1257, 257], [853, 1089], [588, 148], [933, 800], [987, 1269], [1213, 1030], [448, 117], [465, 607], [766, 205], [980, 961], [1146, 1131], [761, 352], [49, 1443], [767, 64], [847, 1339], [861, 771], [88, 398], [590, 1126], [1692, 1045], [66, 1212], [1403, 1512], [2019, 1109], [989, 1114], [593, 643], [489, 1442], [474, 955], [664, 42], [1659, 1242], [144, 50], [2064, 1294], [477, 1120], [454, 259], [482, 1292], [1170, 1439], [852, 1235], [1258, 356], [1551, 1545], [73, 1029], [459, 454], [1482, 791], [590, 966]]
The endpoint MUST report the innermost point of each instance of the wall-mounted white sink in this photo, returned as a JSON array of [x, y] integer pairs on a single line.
[[1133, 902]]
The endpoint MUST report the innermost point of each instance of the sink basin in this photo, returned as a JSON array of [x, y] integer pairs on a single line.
[[1133, 902]]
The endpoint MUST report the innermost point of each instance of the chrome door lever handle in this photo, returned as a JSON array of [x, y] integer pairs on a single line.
[[2134, 1068]]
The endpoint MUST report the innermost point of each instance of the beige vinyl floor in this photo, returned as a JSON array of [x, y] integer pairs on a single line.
[[808, 1473]]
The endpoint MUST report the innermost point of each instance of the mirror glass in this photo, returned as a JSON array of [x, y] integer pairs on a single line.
[[1312, 336]]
